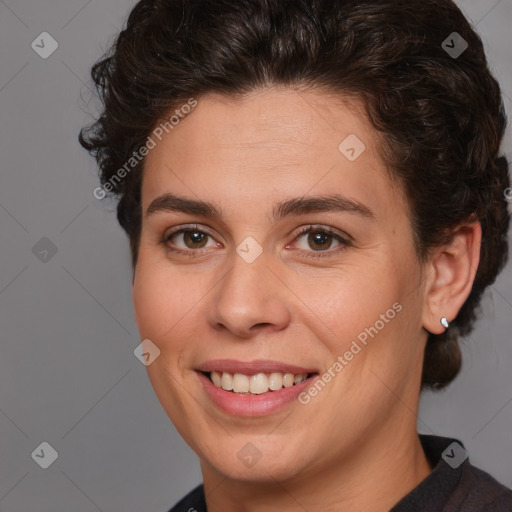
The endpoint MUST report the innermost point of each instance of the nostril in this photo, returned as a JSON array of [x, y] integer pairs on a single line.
[[263, 324]]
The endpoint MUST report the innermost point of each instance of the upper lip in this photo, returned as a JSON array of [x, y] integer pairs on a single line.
[[251, 367]]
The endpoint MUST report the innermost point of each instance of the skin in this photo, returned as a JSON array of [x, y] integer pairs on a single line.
[[354, 446]]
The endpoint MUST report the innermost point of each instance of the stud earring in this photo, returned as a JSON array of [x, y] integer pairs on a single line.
[[444, 322]]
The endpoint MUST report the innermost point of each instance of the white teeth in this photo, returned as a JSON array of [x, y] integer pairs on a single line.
[[226, 381], [275, 382], [240, 383], [299, 378], [255, 384], [288, 380], [216, 378], [258, 384]]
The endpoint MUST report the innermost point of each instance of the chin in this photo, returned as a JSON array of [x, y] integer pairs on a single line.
[[254, 458]]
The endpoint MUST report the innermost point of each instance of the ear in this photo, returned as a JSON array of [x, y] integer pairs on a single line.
[[451, 270]]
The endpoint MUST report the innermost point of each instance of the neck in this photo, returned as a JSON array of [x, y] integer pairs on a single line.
[[373, 476]]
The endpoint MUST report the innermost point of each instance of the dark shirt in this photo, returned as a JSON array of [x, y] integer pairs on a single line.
[[454, 485]]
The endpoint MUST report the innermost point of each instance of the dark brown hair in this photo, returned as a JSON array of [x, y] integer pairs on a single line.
[[440, 116]]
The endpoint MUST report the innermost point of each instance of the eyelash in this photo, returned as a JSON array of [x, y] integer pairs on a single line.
[[325, 230], [305, 230]]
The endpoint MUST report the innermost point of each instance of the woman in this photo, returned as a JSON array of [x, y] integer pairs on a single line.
[[314, 199]]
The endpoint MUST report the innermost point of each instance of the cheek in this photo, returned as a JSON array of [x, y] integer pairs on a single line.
[[158, 302], [346, 303], [169, 303], [364, 315]]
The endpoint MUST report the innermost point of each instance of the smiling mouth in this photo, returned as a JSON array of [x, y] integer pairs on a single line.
[[257, 384]]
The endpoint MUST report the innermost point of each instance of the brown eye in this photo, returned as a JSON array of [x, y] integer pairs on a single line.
[[184, 240], [194, 239], [320, 240]]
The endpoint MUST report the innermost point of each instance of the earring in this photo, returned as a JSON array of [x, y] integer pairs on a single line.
[[444, 322]]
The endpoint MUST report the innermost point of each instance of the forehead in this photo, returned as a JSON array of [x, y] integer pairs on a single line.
[[297, 121], [267, 144]]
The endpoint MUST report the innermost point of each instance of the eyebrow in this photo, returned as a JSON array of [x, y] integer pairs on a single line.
[[297, 206]]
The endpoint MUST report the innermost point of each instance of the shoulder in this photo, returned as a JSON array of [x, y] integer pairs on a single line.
[[193, 502], [479, 491], [454, 485]]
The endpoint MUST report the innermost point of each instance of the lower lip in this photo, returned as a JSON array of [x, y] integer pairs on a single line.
[[253, 405]]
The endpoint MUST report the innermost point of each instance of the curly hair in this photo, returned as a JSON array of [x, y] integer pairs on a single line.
[[440, 116]]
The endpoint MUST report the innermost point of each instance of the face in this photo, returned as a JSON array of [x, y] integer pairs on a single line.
[[273, 242]]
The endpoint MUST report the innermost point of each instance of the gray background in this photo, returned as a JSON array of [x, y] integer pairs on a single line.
[[68, 375]]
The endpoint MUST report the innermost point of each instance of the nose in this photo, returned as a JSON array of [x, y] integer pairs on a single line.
[[249, 299]]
